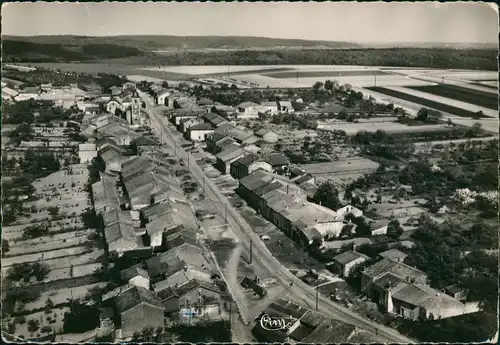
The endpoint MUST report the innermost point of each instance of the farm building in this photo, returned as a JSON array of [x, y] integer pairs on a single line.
[[344, 263], [267, 135], [200, 131]]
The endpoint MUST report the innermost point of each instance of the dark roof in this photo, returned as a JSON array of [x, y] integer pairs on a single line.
[[158, 265], [300, 332], [132, 272], [284, 308], [312, 319], [214, 118], [275, 159], [186, 288], [181, 239], [144, 141], [134, 296], [248, 283], [268, 187], [216, 136], [304, 178], [246, 160], [349, 256], [201, 127]]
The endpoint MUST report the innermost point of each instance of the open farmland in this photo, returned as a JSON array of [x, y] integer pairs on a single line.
[[321, 74], [424, 102], [480, 98], [447, 101], [466, 75], [360, 81], [389, 127], [342, 171]]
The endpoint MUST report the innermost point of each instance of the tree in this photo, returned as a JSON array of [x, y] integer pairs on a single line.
[[329, 85], [49, 305], [53, 210], [317, 86], [476, 127], [342, 115], [164, 84], [5, 247], [327, 195], [33, 325], [394, 229], [478, 115], [423, 114], [81, 318]]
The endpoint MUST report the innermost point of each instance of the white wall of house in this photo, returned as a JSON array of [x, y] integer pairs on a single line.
[[380, 231], [86, 156], [247, 113], [156, 239], [112, 106], [161, 98], [139, 281], [341, 212], [351, 265], [259, 165], [26, 96], [329, 230], [200, 135]]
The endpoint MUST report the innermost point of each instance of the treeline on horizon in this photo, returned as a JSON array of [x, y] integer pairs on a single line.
[[481, 59]]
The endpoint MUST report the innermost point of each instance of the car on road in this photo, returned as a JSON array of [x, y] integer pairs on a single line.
[[265, 237], [239, 204]]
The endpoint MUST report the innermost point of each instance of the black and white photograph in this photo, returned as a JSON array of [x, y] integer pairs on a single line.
[[250, 172]]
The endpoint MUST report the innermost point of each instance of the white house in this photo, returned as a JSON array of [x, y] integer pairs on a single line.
[[87, 152], [269, 107], [200, 131], [341, 212], [247, 110], [136, 276], [162, 97], [113, 104]]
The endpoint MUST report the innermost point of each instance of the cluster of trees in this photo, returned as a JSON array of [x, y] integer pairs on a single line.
[[106, 81], [39, 164], [25, 271], [16, 297], [35, 230], [327, 195], [483, 59], [19, 51], [24, 111], [81, 318]]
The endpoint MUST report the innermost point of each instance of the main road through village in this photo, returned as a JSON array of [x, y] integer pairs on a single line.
[[262, 257]]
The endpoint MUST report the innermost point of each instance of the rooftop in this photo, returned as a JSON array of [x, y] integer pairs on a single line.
[[400, 270], [349, 256], [231, 152], [132, 272], [201, 127], [394, 254], [135, 296], [330, 331]]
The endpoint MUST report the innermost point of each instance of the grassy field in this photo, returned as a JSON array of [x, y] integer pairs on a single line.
[[424, 102], [321, 74], [480, 98]]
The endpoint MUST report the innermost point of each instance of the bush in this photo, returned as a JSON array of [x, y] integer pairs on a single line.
[[33, 325], [20, 320], [46, 329]]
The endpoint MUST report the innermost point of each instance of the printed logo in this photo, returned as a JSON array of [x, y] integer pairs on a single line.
[[276, 323]]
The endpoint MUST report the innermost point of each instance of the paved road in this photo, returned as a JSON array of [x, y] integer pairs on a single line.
[[262, 257]]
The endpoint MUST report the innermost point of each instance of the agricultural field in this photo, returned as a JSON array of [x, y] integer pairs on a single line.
[[424, 102], [342, 171], [480, 98], [322, 74], [387, 126]]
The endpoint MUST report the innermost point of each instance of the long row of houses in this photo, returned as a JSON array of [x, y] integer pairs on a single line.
[[148, 224]]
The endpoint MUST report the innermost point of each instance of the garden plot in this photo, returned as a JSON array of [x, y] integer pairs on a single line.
[[69, 261], [43, 256], [467, 75], [54, 320], [357, 164], [62, 295], [325, 73], [424, 102], [15, 232], [468, 96], [389, 127], [437, 80], [402, 212], [48, 243], [448, 101], [356, 81]]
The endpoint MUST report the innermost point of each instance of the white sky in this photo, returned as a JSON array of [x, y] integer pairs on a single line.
[[354, 22]]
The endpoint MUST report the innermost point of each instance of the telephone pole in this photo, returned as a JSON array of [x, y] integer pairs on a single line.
[[227, 72], [251, 249], [225, 213], [297, 76], [317, 291], [375, 75]]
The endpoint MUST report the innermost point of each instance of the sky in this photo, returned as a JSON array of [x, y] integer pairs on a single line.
[[353, 22]]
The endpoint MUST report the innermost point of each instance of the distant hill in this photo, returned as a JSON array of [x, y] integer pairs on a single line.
[[150, 43]]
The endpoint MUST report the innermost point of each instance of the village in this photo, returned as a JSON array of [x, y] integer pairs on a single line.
[[105, 214]]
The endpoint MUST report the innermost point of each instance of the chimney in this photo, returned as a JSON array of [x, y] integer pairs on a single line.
[[185, 268], [353, 247]]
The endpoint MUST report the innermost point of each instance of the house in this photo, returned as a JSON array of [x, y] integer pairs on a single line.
[[220, 145], [204, 102], [187, 123], [386, 266], [114, 104], [135, 276], [116, 90], [457, 292], [129, 86], [111, 157], [200, 131], [247, 110], [305, 178], [161, 97], [241, 167], [120, 237], [344, 263], [194, 293], [394, 255], [137, 308], [214, 119], [87, 152], [28, 93], [269, 107], [223, 110], [276, 160], [267, 135], [379, 227], [9, 92], [105, 196], [343, 211], [179, 116], [226, 157], [285, 106]]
